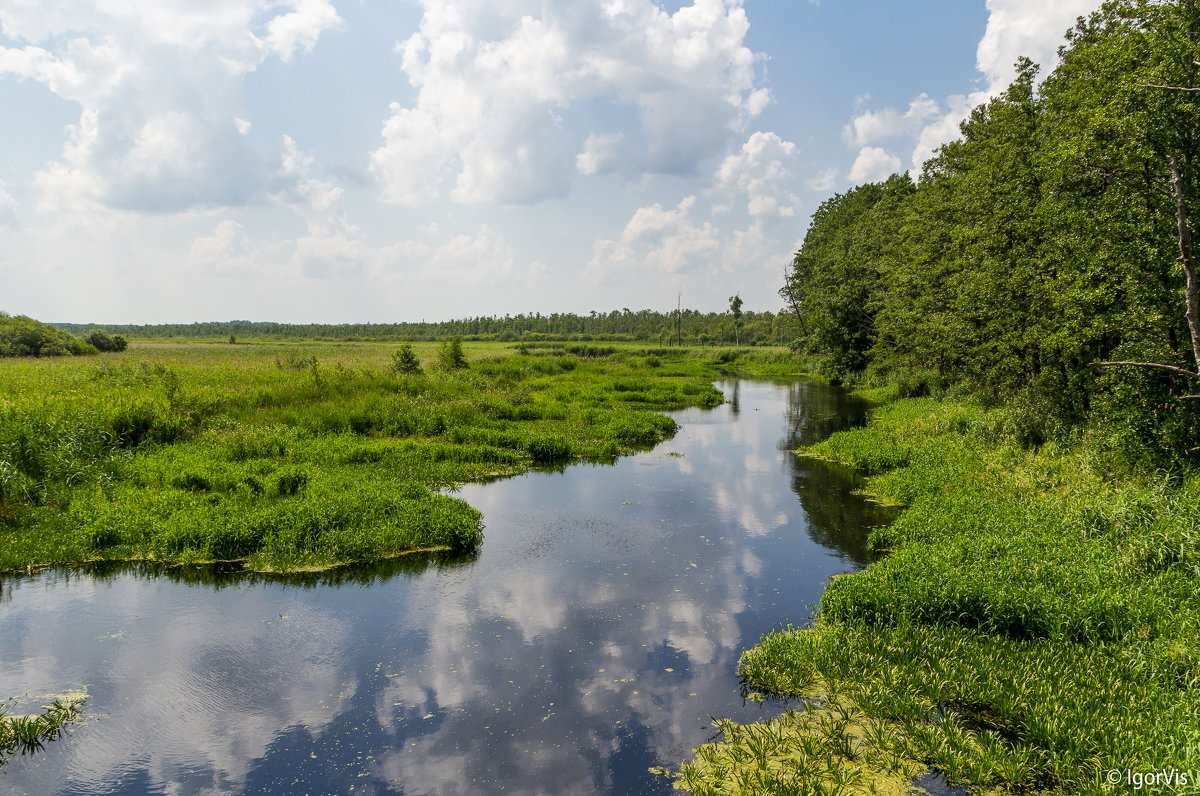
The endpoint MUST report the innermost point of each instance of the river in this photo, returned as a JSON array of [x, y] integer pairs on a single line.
[[590, 638]]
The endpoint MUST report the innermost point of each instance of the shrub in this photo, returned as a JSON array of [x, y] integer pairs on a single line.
[[191, 482], [405, 362], [642, 429], [102, 341], [22, 336], [451, 356], [290, 482], [545, 450]]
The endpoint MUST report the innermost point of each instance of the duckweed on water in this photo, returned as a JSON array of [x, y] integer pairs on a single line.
[[303, 455]]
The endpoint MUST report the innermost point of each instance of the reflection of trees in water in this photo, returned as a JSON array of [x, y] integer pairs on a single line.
[[837, 518], [218, 576], [814, 411]]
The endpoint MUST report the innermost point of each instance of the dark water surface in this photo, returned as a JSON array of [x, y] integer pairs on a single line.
[[590, 638]]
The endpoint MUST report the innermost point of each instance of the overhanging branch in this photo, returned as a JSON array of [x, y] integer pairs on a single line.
[[1168, 88], [1169, 368]]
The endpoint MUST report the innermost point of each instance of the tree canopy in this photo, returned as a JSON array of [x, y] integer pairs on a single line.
[[1042, 243], [22, 336]]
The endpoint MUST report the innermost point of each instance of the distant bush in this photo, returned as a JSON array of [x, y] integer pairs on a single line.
[[22, 336], [642, 428], [290, 482], [590, 350], [102, 341]]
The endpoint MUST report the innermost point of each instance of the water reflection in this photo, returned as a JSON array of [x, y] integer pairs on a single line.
[[589, 639], [223, 574]]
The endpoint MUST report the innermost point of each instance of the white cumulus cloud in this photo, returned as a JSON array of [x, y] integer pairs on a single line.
[[8, 209], [601, 153], [824, 181], [871, 126], [159, 86], [658, 240], [762, 171], [1031, 28], [873, 163], [495, 81]]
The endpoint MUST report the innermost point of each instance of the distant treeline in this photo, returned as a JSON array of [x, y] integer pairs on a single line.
[[1047, 241], [688, 327]]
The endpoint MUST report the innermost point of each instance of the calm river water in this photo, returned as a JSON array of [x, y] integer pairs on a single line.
[[590, 638]]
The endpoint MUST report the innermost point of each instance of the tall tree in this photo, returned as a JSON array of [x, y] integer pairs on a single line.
[[1124, 108], [833, 285], [969, 295], [735, 309]]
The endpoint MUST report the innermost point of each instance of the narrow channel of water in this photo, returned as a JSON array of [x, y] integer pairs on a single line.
[[589, 639]]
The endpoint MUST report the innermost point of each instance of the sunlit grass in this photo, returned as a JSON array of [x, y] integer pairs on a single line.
[[1032, 620], [303, 454]]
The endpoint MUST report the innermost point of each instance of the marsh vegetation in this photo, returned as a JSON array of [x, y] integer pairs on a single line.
[[288, 456], [583, 641], [1031, 620]]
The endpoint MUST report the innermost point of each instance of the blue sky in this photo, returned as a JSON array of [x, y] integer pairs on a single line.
[[366, 160]]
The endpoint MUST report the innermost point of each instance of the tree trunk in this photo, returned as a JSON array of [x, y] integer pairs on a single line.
[[1192, 293]]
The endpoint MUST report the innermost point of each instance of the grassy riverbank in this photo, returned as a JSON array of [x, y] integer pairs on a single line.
[[1031, 624], [297, 455]]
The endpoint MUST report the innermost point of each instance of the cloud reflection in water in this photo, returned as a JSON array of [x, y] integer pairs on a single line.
[[598, 627]]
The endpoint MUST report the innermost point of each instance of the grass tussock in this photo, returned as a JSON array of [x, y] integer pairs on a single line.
[[1032, 618], [28, 734], [835, 750], [300, 455]]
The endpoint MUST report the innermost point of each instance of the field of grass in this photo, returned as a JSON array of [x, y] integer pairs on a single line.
[[302, 455], [1031, 623]]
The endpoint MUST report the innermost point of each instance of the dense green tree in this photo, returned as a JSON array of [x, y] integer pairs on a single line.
[[1123, 111], [22, 336], [735, 309], [832, 283], [624, 325], [102, 341], [967, 294], [1045, 257]]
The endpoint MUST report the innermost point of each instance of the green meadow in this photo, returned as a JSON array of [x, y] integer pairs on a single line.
[[305, 455]]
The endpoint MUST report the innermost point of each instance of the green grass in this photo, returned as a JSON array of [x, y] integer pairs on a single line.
[[1032, 620], [291, 456], [809, 752]]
